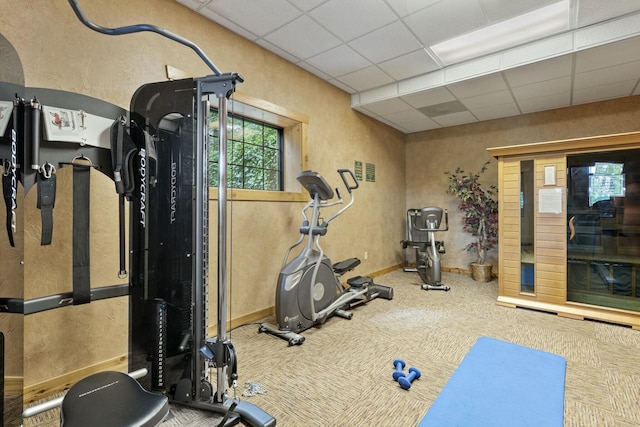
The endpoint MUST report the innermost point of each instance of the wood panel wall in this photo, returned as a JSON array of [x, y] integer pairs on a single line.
[[550, 247], [509, 226]]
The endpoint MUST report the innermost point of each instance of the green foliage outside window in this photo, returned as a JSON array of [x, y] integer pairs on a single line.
[[254, 154]]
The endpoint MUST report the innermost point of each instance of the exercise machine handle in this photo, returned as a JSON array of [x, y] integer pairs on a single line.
[[350, 187]]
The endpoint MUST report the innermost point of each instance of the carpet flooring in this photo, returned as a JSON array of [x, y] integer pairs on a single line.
[[341, 374]]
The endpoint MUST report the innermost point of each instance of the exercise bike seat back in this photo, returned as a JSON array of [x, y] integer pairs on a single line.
[[109, 399], [421, 220]]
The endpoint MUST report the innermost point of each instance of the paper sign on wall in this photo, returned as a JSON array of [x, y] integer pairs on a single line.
[[550, 200]]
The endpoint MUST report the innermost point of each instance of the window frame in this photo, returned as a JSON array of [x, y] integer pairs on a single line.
[[294, 148]]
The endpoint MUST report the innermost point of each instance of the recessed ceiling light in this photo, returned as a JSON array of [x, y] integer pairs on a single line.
[[512, 32]]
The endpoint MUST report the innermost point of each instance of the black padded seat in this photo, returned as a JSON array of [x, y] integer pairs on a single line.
[[110, 399]]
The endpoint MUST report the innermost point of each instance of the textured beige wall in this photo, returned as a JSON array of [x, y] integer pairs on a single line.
[[61, 53], [429, 154]]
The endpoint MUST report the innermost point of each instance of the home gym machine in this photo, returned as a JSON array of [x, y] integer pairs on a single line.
[[308, 290], [169, 245], [160, 161], [422, 224]]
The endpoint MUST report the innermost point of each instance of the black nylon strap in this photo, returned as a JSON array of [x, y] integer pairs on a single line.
[[7, 192], [46, 202], [81, 248]]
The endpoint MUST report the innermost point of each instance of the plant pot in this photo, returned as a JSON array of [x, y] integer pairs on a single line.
[[481, 272]]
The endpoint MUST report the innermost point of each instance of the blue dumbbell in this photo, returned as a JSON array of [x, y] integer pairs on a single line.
[[399, 364], [405, 381]]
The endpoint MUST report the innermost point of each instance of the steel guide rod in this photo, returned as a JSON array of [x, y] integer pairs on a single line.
[[219, 87]]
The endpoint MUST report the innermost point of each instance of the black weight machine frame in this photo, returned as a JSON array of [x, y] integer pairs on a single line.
[[218, 350]]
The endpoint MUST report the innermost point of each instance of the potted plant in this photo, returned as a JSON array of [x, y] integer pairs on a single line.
[[480, 209]]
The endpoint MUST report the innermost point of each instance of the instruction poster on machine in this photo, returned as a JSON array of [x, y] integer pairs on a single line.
[[5, 114]]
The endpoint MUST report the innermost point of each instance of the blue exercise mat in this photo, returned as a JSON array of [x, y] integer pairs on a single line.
[[501, 384]]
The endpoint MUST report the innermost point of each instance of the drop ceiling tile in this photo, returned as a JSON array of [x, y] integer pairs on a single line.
[[405, 7], [541, 103], [593, 11], [306, 5], [610, 31], [495, 111], [601, 93], [385, 43], [387, 107], [421, 125], [340, 85], [611, 75], [367, 78], [488, 99], [455, 119], [446, 19], [428, 97], [547, 87], [409, 65], [612, 54], [499, 10], [486, 84], [339, 61], [540, 71], [228, 24], [275, 49], [313, 70], [303, 38], [258, 17], [406, 116], [353, 18]]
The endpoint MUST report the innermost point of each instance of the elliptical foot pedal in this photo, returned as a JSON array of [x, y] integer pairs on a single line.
[[359, 281], [344, 266]]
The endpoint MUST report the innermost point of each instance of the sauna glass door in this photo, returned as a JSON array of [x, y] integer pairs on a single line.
[[603, 229]]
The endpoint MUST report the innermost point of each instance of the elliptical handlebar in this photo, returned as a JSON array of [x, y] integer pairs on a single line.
[[349, 188], [342, 173]]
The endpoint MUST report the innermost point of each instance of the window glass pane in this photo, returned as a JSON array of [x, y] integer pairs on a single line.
[[271, 180], [254, 154], [253, 178], [271, 159]]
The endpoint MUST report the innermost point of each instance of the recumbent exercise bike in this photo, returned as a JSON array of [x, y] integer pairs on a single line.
[[422, 224], [308, 290]]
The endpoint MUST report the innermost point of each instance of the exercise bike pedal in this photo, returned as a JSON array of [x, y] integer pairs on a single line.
[[359, 281]]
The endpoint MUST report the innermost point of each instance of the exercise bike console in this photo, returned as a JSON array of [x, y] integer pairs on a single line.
[[308, 290]]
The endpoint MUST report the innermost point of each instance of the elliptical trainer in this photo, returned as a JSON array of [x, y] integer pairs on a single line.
[[308, 290], [422, 224]]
